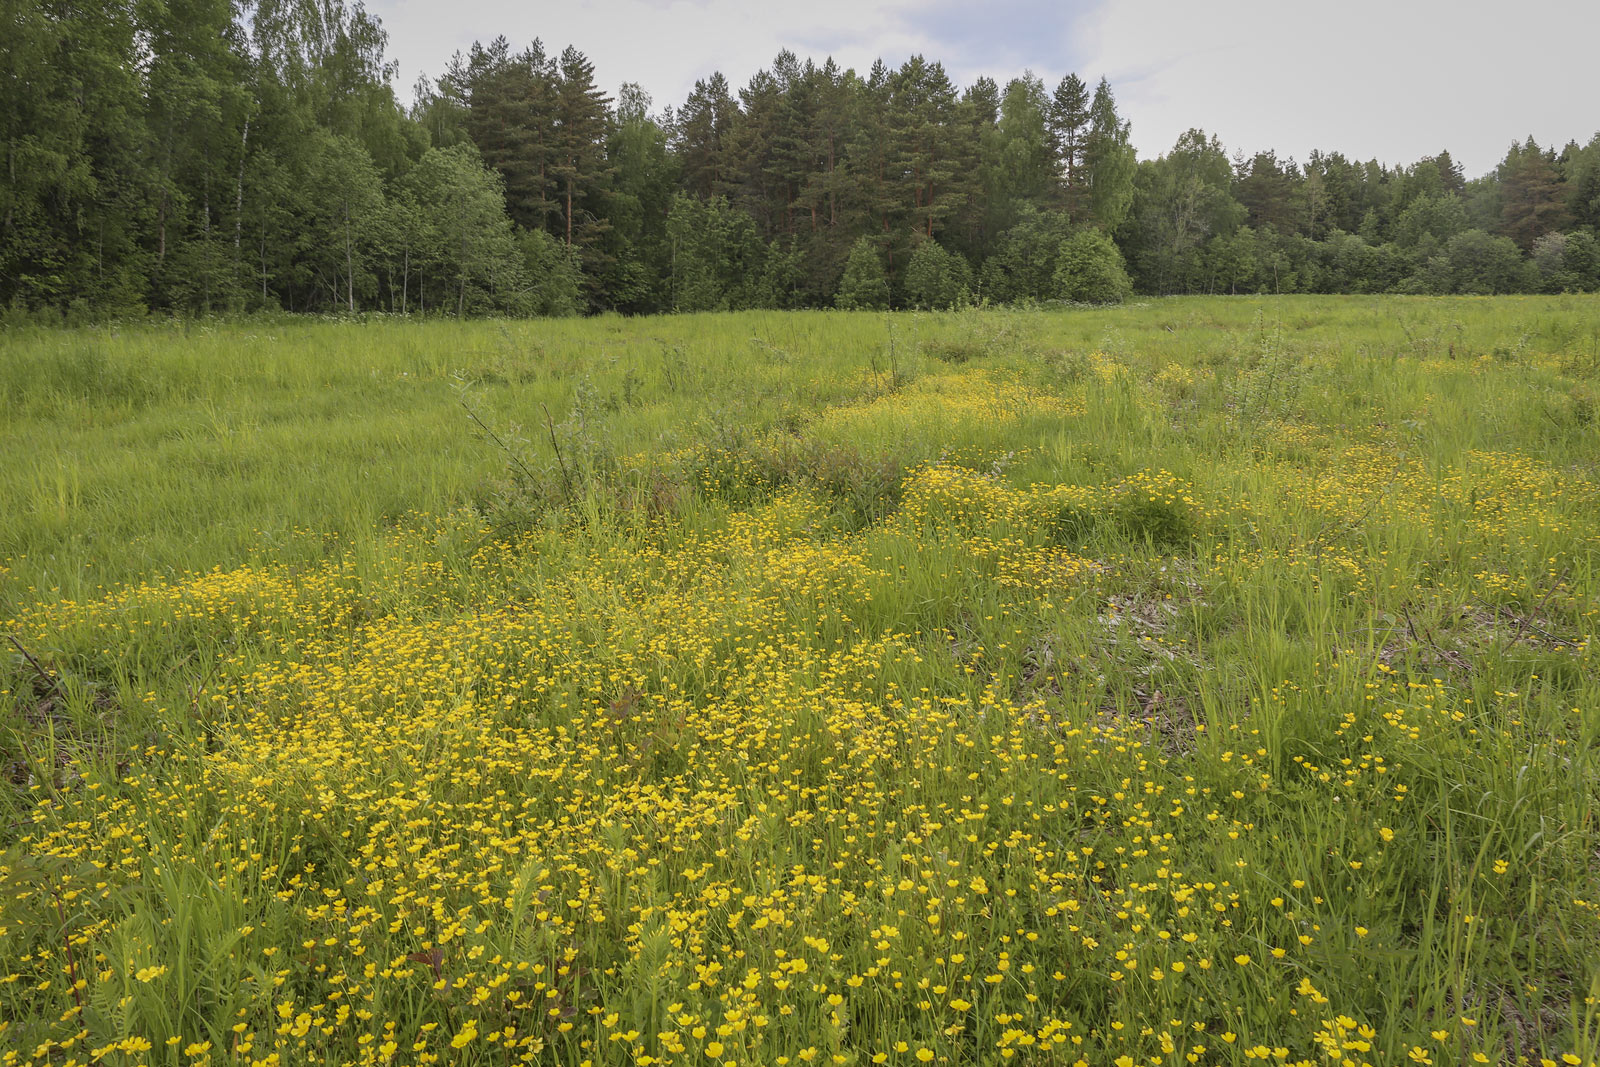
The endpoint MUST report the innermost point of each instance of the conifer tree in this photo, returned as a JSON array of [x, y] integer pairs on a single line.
[[198, 155], [1069, 130], [701, 132], [1267, 189], [512, 120], [933, 155], [873, 160], [579, 135], [755, 178], [984, 210], [1532, 199]]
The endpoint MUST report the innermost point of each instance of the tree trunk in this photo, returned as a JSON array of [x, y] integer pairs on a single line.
[[238, 200], [205, 226], [833, 199], [161, 212], [349, 260], [11, 174]]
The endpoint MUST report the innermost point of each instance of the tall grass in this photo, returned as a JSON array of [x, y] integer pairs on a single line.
[[1204, 681]]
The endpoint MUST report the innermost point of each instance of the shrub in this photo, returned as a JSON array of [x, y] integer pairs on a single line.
[[937, 279], [865, 284], [1091, 271]]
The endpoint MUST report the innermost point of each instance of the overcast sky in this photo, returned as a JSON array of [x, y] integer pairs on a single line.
[[1388, 79]]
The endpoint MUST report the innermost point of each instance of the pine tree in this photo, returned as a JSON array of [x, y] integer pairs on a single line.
[[826, 188], [579, 135], [797, 157], [934, 155], [873, 160], [1268, 190], [1532, 200], [701, 132], [512, 119], [983, 96], [1069, 130], [986, 209], [756, 178], [1450, 173], [206, 154], [1338, 180]]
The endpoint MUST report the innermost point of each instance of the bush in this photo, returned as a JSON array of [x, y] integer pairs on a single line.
[[1024, 262], [1091, 270], [865, 284], [555, 282], [1477, 263], [937, 279], [1567, 262]]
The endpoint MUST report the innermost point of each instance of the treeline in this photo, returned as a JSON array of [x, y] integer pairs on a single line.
[[200, 156]]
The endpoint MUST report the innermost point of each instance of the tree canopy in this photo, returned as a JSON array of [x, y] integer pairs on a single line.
[[199, 156]]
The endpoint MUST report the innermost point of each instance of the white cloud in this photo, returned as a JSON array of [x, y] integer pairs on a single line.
[[1388, 79], [664, 45], [1391, 79]]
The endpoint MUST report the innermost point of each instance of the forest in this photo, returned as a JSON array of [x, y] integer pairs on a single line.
[[201, 157]]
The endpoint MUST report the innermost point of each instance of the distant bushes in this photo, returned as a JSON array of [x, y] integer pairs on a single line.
[[1044, 258]]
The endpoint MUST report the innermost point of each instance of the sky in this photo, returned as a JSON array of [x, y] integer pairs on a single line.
[[1393, 80]]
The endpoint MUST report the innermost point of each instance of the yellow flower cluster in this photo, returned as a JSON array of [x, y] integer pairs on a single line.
[[1144, 770]]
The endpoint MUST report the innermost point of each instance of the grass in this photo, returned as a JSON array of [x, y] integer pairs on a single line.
[[1204, 681]]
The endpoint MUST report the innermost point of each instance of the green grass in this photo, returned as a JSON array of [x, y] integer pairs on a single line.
[[380, 686]]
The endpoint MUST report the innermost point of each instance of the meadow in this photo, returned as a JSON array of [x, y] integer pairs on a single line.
[[1203, 681]]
